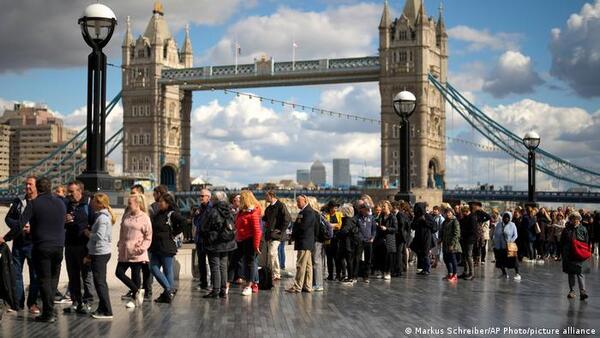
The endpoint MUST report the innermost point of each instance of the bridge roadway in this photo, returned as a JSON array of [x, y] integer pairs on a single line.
[[267, 73], [379, 309]]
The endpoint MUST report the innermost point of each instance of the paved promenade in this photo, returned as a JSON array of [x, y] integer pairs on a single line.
[[379, 309]]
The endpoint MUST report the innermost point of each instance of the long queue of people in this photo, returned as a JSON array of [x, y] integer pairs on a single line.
[[245, 245]]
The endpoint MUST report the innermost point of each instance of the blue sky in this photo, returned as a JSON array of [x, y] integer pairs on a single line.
[[482, 34]]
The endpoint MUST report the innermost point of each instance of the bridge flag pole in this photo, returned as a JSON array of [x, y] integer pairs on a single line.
[[237, 52], [294, 46]]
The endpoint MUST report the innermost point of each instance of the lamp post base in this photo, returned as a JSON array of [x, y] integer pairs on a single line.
[[97, 181], [406, 196]]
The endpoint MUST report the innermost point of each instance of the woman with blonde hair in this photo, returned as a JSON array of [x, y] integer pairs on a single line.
[[248, 235], [349, 239], [99, 248], [317, 255], [135, 238]]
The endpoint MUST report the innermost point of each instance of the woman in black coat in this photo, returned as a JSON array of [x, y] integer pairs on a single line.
[[166, 224], [423, 225], [571, 266], [348, 238], [219, 240], [386, 237]]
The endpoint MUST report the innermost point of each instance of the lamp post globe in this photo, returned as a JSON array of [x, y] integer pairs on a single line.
[[531, 140], [405, 104], [97, 25]]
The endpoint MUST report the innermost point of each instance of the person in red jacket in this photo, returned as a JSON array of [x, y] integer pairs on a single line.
[[248, 234]]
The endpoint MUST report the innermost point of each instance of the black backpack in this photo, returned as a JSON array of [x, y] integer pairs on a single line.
[[227, 232], [324, 231]]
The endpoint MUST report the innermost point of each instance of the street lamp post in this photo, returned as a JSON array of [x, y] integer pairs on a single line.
[[97, 27], [405, 104], [531, 140]]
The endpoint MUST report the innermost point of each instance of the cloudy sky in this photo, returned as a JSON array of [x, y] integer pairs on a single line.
[[532, 65]]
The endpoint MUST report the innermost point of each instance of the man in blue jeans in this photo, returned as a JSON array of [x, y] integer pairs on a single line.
[[22, 247]]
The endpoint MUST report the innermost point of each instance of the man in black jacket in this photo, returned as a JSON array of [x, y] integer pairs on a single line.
[[21, 250], [303, 235], [277, 219], [78, 220], [470, 231], [46, 216]]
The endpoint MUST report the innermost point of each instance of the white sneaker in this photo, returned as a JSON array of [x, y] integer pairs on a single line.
[[379, 276], [247, 291], [139, 298], [540, 261], [517, 277], [387, 276], [130, 305]]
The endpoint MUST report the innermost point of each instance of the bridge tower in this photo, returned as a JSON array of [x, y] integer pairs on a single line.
[[156, 118], [411, 47]]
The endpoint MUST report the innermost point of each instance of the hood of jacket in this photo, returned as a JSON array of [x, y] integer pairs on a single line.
[[223, 209], [509, 216]]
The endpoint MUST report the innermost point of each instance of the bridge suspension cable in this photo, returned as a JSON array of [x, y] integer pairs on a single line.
[[510, 143]]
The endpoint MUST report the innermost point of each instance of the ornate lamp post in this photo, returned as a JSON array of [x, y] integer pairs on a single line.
[[405, 104], [531, 140], [97, 27]]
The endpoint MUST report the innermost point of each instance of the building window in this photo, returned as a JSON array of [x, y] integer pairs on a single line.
[[140, 53], [403, 35], [134, 111], [403, 57], [135, 140], [147, 110], [395, 132], [147, 140], [395, 154]]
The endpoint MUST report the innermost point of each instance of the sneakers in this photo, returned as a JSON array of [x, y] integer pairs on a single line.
[[379, 276], [45, 319], [34, 309], [61, 299], [254, 287], [366, 281], [517, 277], [583, 295], [211, 294], [165, 297], [540, 261], [453, 278], [387, 276], [571, 295], [247, 291], [130, 305], [223, 293], [127, 296], [348, 282], [318, 289], [290, 290], [99, 315], [81, 309]]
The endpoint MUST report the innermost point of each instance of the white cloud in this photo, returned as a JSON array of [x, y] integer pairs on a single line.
[[513, 74], [576, 51], [329, 34], [54, 30], [482, 39]]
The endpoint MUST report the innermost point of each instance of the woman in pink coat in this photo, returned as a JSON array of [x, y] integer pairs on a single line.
[[134, 240]]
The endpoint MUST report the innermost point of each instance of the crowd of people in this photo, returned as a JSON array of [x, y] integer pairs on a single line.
[[240, 241]]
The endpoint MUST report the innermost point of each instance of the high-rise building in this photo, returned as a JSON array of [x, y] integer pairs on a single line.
[[4, 153], [318, 175], [410, 48], [303, 177], [341, 173], [35, 133]]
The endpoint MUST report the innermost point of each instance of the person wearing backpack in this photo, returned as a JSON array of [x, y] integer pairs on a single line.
[[166, 224], [574, 234], [276, 220], [349, 238], [218, 235]]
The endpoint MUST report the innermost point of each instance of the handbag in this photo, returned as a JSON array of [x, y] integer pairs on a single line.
[[511, 247], [580, 251]]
